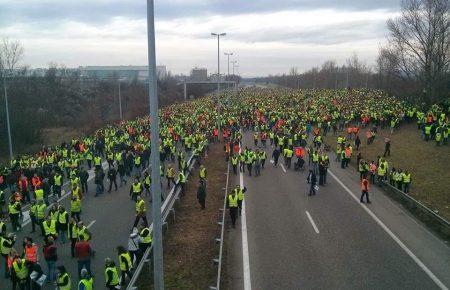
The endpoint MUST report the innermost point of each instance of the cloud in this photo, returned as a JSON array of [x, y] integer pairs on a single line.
[[101, 11], [266, 36]]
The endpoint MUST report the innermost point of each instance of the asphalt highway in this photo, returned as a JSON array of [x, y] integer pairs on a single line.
[[110, 218], [328, 241]]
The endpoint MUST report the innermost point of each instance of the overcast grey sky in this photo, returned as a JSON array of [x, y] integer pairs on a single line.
[[267, 37]]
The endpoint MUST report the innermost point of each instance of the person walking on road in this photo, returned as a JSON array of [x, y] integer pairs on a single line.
[[275, 156], [73, 235], [50, 256], [86, 280], [141, 212], [136, 189], [201, 194], [111, 274], [364, 190], [20, 275], [145, 240], [232, 204], [312, 180], [63, 223], [112, 177], [125, 263], [63, 281], [83, 253], [14, 211]]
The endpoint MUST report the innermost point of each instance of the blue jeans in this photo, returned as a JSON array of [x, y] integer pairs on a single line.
[[51, 275]]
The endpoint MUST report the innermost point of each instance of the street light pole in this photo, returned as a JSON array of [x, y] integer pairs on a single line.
[[228, 56], [8, 125], [218, 71], [158, 270], [120, 103]]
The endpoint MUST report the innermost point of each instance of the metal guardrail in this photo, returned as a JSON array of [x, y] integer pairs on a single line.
[[166, 208], [433, 220], [220, 240]]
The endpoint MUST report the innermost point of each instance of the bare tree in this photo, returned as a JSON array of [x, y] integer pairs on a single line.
[[11, 53], [419, 44]]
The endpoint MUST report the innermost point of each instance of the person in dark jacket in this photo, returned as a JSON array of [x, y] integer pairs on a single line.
[[275, 156], [312, 180], [112, 176], [201, 194], [84, 176]]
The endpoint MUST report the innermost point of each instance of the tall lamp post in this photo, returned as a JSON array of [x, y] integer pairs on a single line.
[[8, 125], [218, 71], [158, 270], [228, 54]]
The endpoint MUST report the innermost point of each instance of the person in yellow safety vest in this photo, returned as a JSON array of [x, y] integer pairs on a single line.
[[315, 160], [145, 238], [33, 213], [62, 225], [137, 164], [58, 181], [136, 189], [54, 212], [89, 157], [14, 211], [75, 208], [170, 175], [232, 204], [182, 182], [19, 274], [288, 153], [97, 162], [125, 263], [240, 193], [242, 162], [39, 193], [406, 181], [49, 226], [83, 232], [111, 274], [73, 235], [6, 244], [147, 183], [202, 174], [40, 209], [381, 172], [63, 280], [86, 282], [2, 228], [234, 163], [141, 212]]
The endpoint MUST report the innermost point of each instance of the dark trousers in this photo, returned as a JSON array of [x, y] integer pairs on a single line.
[[249, 168], [111, 182], [387, 152], [233, 215], [312, 191], [235, 169], [84, 186], [15, 221], [72, 247], [202, 202], [366, 194], [76, 216], [138, 217]]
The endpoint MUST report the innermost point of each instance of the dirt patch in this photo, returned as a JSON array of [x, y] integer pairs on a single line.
[[428, 163], [189, 245]]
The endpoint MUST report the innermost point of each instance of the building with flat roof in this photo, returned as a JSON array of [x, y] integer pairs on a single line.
[[199, 74], [122, 71]]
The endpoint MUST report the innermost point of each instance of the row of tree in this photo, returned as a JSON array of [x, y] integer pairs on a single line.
[[414, 64]]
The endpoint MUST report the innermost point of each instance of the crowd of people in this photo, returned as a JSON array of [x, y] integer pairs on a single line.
[[291, 123]]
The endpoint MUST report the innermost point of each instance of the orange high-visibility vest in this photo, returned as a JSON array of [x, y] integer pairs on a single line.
[[31, 253]]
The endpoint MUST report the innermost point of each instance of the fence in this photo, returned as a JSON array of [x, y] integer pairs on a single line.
[[220, 240], [166, 209], [433, 220]]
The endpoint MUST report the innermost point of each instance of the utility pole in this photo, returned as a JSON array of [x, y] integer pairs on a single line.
[[8, 125], [228, 56], [158, 270], [347, 79], [120, 103], [218, 72]]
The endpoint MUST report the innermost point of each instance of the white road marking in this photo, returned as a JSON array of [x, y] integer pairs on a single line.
[[64, 195], [91, 223], [245, 255], [312, 222], [282, 167], [393, 236]]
